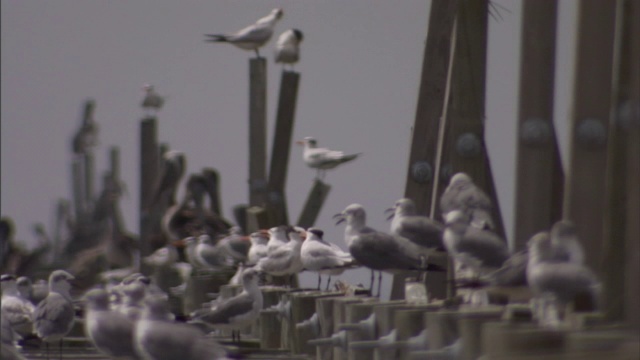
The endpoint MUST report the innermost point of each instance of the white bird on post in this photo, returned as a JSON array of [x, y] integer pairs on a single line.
[[152, 101], [253, 36], [288, 47], [322, 159]]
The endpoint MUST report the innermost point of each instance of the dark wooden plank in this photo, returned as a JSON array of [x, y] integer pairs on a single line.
[[257, 218], [314, 202], [539, 171], [279, 163], [240, 216], [585, 178], [257, 131], [149, 167], [431, 101]]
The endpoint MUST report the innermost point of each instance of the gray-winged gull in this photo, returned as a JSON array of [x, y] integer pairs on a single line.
[[284, 260], [110, 332], [152, 100], [17, 309], [421, 230], [323, 257], [236, 245], [462, 194], [157, 338], [238, 311], [54, 316], [560, 282], [378, 250], [253, 36], [211, 255], [258, 249], [565, 242], [322, 159], [288, 47]]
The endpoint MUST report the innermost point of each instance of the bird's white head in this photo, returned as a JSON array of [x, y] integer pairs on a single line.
[[298, 34], [297, 233], [353, 213], [277, 13], [540, 246], [460, 178], [455, 217], [563, 228], [59, 281], [308, 141], [259, 237], [97, 299], [7, 281], [147, 87], [314, 234]]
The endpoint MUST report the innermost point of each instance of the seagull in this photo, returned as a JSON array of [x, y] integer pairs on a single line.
[[15, 307], [131, 303], [565, 242], [462, 194], [253, 36], [284, 260], [53, 318], [163, 257], [258, 249], [420, 230], [288, 47], [323, 257], [235, 245], [322, 159], [109, 331], [8, 349], [277, 237], [238, 311], [378, 250], [158, 338], [560, 282], [211, 255], [481, 250], [152, 100]]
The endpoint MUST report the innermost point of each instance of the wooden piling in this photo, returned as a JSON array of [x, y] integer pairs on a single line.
[[340, 317], [302, 309], [470, 322], [539, 174], [240, 216], [78, 188], [89, 180], [354, 314], [279, 163], [257, 218], [149, 167], [324, 309], [443, 328], [313, 205], [584, 187], [257, 131], [501, 339]]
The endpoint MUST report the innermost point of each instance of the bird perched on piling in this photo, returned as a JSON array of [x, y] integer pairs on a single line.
[[152, 101], [258, 249], [462, 194], [557, 282], [288, 47], [378, 250], [54, 316], [253, 36], [323, 257], [420, 230], [238, 311], [322, 159], [285, 259], [17, 309], [565, 242], [110, 332]]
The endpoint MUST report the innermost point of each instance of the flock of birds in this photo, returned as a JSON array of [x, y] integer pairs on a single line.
[[131, 317], [128, 315]]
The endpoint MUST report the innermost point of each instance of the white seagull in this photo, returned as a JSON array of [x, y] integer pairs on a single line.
[[152, 101], [238, 311], [258, 249], [288, 47], [322, 159], [16, 308], [565, 242], [253, 36], [323, 257], [285, 259], [462, 194], [54, 316], [421, 230]]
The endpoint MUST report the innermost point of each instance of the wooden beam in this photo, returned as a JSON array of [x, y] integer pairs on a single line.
[[279, 163], [431, 102], [240, 216], [257, 131], [585, 178], [314, 202], [539, 170], [149, 167]]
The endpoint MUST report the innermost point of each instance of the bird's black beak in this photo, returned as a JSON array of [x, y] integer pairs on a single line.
[[340, 218], [390, 212]]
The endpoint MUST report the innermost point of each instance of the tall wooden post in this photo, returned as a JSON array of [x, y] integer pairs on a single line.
[[89, 180], [114, 173], [314, 202], [78, 188], [149, 166], [619, 195], [585, 180], [539, 171], [257, 131], [279, 163]]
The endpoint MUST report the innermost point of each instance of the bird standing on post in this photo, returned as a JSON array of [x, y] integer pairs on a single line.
[[253, 36], [462, 194], [288, 47], [322, 159], [152, 100]]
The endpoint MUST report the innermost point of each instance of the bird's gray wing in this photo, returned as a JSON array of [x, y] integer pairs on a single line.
[[422, 231], [324, 257], [485, 246], [115, 335], [513, 272], [252, 34], [53, 315], [227, 310], [565, 280]]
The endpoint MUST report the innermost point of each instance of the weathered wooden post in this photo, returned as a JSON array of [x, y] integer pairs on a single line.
[[279, 163], [257, 131], [591, 110], [540, 177], [89, 180], [149, 166], [78, 188], [314, 202]]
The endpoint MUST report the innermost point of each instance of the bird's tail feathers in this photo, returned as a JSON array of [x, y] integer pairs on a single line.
[[349, 157], [216, 38]]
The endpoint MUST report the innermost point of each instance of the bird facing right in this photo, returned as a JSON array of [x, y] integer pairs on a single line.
[[288, 47]]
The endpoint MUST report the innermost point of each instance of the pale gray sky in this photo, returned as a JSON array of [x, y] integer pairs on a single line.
[[360, 67]]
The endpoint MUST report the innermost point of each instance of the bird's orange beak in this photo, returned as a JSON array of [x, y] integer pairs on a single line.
[[299, 142]]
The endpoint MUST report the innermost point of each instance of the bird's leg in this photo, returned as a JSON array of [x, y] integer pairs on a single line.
[[257, 53], [328, 282], [379, 282], [371, 286], [319, 281], [238, 335]]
